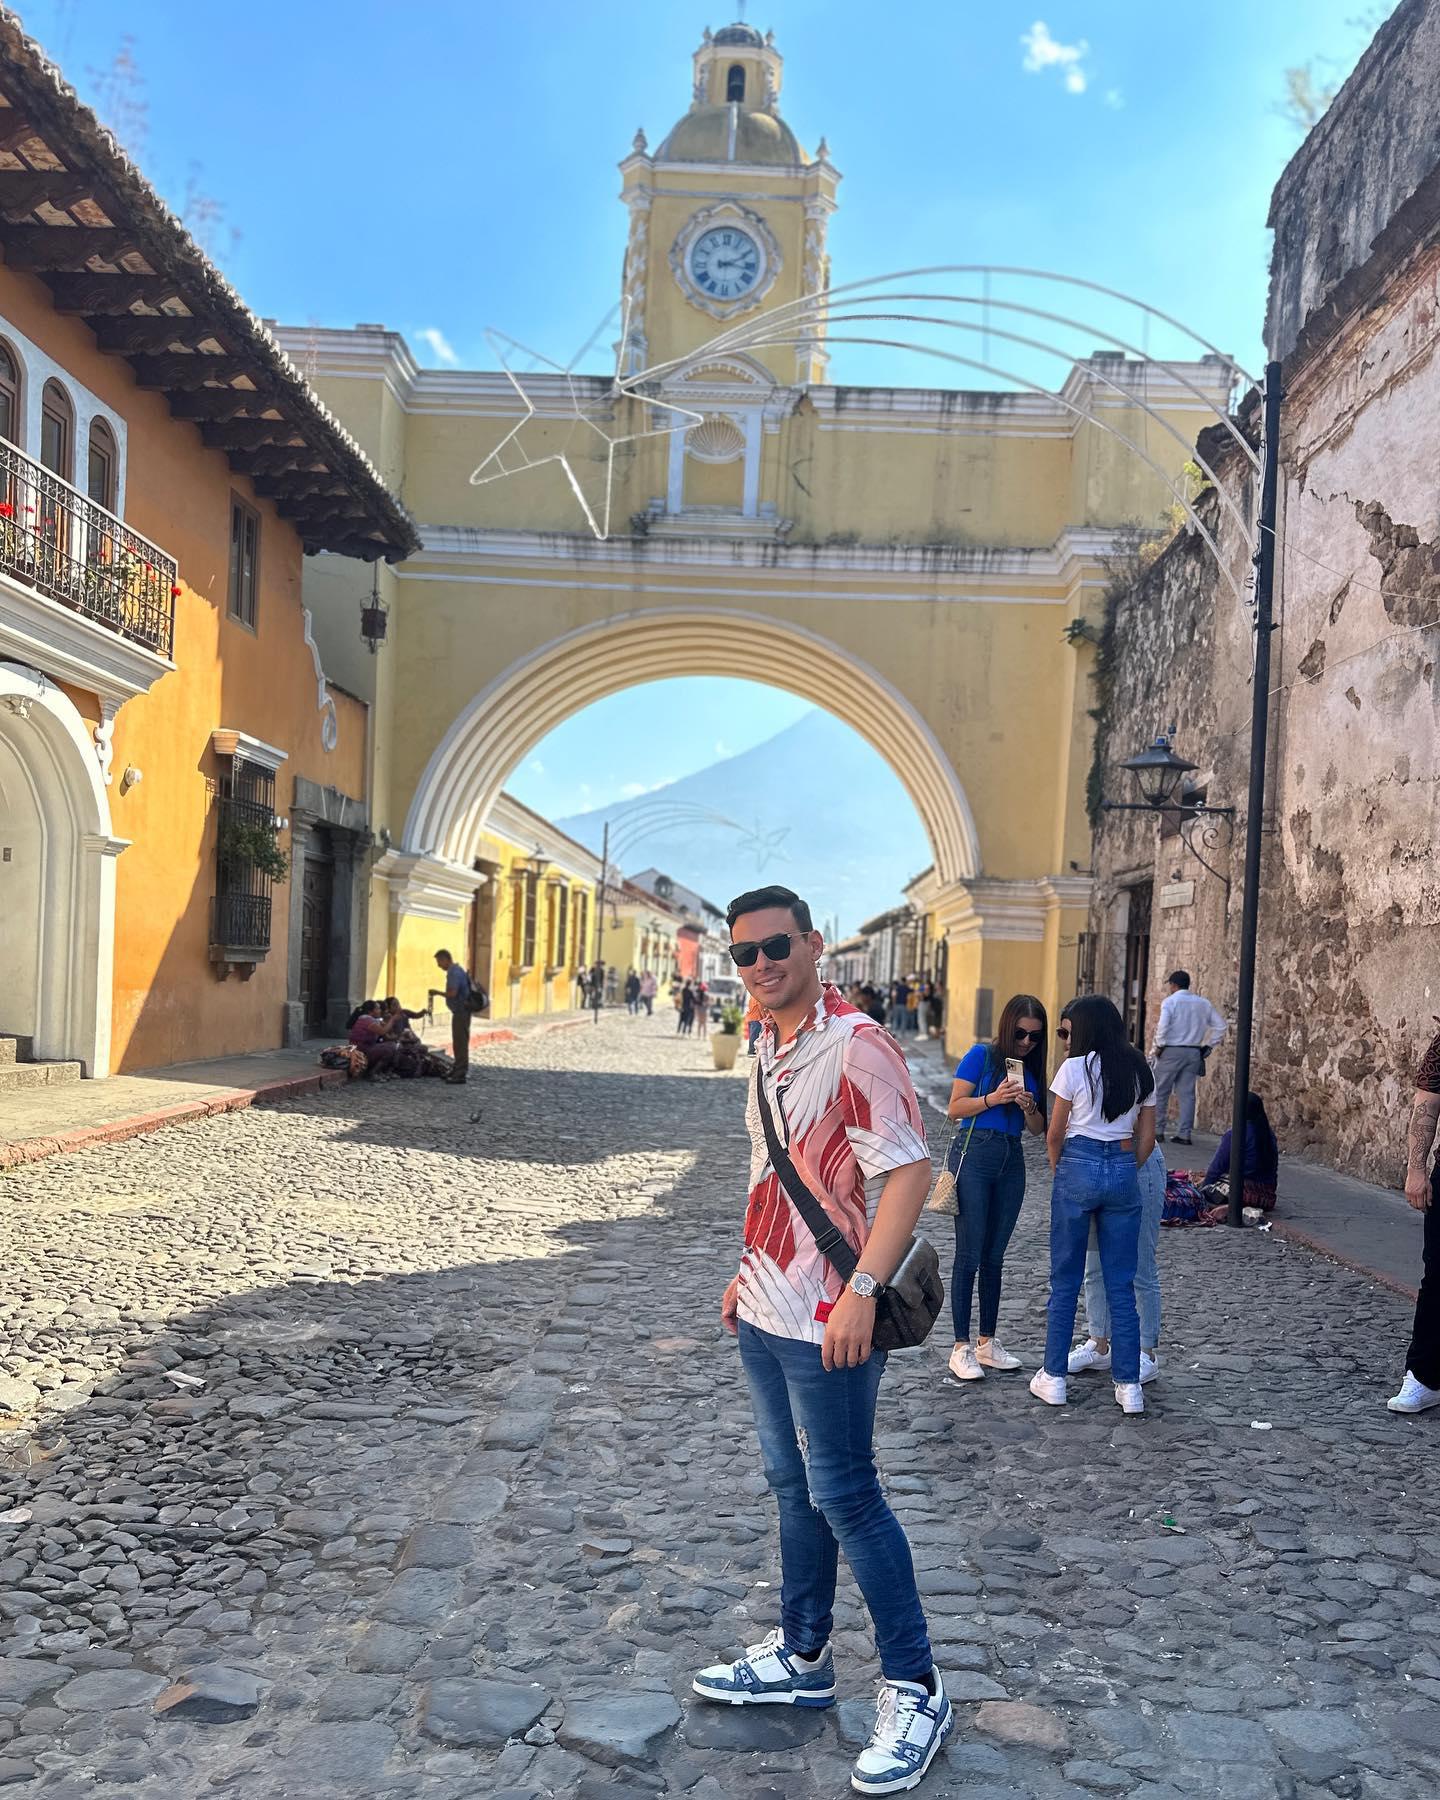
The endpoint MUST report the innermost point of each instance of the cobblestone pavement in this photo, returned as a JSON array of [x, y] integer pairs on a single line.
[[386, 1449]]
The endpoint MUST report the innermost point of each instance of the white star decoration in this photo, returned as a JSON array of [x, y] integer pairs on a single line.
[[496, 467], [764, 845]]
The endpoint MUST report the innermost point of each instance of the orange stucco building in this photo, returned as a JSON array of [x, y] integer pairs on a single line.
[[184, 843]]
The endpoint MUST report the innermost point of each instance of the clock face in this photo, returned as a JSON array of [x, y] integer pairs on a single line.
[[725, 262]]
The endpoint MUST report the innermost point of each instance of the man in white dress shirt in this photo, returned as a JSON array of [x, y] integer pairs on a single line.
[[1188, 1030]]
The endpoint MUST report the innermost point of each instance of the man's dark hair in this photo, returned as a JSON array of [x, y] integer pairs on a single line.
[[759, 898], [1179, 979]]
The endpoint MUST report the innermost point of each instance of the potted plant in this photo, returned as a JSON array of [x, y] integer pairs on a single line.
[[256, 843], [725, 1043]]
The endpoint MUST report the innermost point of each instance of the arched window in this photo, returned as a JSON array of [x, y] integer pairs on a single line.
[[10, 415], [57, 431], [102, 466], [735, 83]]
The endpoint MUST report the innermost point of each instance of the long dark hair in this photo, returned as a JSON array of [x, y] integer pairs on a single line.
[[1125, 1077], [1018, 1007], [1267, 1149]]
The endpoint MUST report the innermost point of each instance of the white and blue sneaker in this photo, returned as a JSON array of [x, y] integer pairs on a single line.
[[910, 1726], [769, 1674]]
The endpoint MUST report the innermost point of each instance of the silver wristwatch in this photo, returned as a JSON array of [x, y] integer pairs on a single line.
[[866, 1286]]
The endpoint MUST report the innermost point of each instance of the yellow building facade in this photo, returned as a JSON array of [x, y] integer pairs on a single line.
[[912, 559]]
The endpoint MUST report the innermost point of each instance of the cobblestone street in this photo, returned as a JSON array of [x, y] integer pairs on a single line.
[[408, 1410]]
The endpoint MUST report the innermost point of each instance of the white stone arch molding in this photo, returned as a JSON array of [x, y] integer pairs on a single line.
[[503, 723], [75, 947]]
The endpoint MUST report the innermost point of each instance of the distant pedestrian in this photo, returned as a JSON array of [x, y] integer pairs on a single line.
[[702, 1005], [1420, 1389], [597, 985], [987, 1159], [754, 1022], [649, 987], [836, 1092], [1102, 1130], [1094, 1353], [457, 999], [632, 992], [872, 1003], [687, 1010], [894, 1003], [1187, 1031]]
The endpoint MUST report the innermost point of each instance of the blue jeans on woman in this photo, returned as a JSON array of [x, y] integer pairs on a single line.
[[989, 1189], [1147, 1266], [816, 1428], [1095, 1182]]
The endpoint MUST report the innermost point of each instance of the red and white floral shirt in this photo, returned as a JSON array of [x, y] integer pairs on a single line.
[[842, 1100]]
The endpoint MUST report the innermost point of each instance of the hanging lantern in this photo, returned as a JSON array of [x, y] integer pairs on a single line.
[[373, 616]]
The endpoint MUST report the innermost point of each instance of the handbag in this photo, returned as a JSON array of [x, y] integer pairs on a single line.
[[945, 1196], [910, 1302]]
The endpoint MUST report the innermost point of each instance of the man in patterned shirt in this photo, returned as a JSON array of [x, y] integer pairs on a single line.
[[843, 1105]]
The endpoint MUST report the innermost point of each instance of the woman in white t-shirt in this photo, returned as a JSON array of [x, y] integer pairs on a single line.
[[1102, 1129]]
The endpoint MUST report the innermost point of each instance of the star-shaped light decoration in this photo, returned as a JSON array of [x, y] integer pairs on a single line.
[[764, 846], [496, 466]]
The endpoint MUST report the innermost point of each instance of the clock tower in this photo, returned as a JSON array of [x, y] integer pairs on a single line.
[[728, 215]]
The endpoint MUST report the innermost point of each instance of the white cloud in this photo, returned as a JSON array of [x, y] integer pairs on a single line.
[[439, 346], [1114, 99], [722, 748], [537, 767], [632, 790], [1042, 51]]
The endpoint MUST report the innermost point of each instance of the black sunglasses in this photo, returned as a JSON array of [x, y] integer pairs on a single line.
[[776, 949], [1063, 1033], [1030, 1037]]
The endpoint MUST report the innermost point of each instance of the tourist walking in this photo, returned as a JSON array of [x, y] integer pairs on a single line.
[[835, 1093], [1094, 1353], [1420, 1389], [632, 992], [1102, 1131], [686, 1022], [987, 1159], [649, 987], [457, 999], [1187, 1030]]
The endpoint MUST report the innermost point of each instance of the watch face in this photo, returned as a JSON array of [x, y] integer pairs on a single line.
[[725, 262]]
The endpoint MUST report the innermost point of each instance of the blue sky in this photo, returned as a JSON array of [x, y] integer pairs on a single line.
[[444, 166]]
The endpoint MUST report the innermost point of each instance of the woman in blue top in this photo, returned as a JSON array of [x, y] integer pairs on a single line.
[[987, 1158]]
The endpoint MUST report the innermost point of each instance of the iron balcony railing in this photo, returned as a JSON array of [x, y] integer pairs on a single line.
[[56, 540]]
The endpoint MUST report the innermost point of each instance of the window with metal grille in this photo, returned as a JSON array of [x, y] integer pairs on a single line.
[[100, 473], [245, 814], [582, 929], [57, 430], [560, 954], [244, 561], [531, 894], [10, 415]]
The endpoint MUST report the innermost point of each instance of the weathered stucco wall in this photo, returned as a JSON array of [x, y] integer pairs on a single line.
[[1355, 175]]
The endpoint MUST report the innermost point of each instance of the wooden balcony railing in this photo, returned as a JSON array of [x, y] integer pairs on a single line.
[[56, 540]]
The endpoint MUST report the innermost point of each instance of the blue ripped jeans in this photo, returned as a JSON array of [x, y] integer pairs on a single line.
[[816, 1428], [989, 1190]]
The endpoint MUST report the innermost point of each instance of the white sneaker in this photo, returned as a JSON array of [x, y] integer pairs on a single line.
[[994, 1355], [1088, 1356], [964, 1364], [769, 1674], [1414, 1396], [1149, 1367], [910, 1726], [1049, 1388], [1130, 1396]]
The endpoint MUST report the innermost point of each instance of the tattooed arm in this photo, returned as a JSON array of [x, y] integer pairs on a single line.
[[1424, 1117]]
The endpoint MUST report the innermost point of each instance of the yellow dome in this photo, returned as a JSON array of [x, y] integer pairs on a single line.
[[705, 136]]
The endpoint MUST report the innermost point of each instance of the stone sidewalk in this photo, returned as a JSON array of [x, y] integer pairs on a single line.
[[385, 1444], [51, 1121]]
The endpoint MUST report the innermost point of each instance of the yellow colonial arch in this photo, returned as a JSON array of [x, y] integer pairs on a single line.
[[537, 692]]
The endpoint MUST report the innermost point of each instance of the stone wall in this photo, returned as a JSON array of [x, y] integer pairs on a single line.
[[1354, 178]]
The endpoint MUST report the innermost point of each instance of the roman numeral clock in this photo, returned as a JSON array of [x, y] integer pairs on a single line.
[[725, 259]]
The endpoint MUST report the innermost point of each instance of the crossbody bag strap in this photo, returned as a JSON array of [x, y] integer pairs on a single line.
[[829, 1239]]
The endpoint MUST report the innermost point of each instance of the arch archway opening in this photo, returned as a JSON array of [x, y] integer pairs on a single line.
[[506, 720]]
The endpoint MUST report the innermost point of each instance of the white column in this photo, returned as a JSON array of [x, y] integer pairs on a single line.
[[750, 506], [675, 497]]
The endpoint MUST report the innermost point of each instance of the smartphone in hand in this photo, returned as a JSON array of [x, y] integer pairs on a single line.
[[1015, 1069]]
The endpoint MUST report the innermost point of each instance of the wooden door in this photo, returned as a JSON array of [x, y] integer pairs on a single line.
[[1137, 961], [315, 908]]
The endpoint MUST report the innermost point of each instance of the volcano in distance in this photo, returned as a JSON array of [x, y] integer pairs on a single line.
[[819, 811]]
